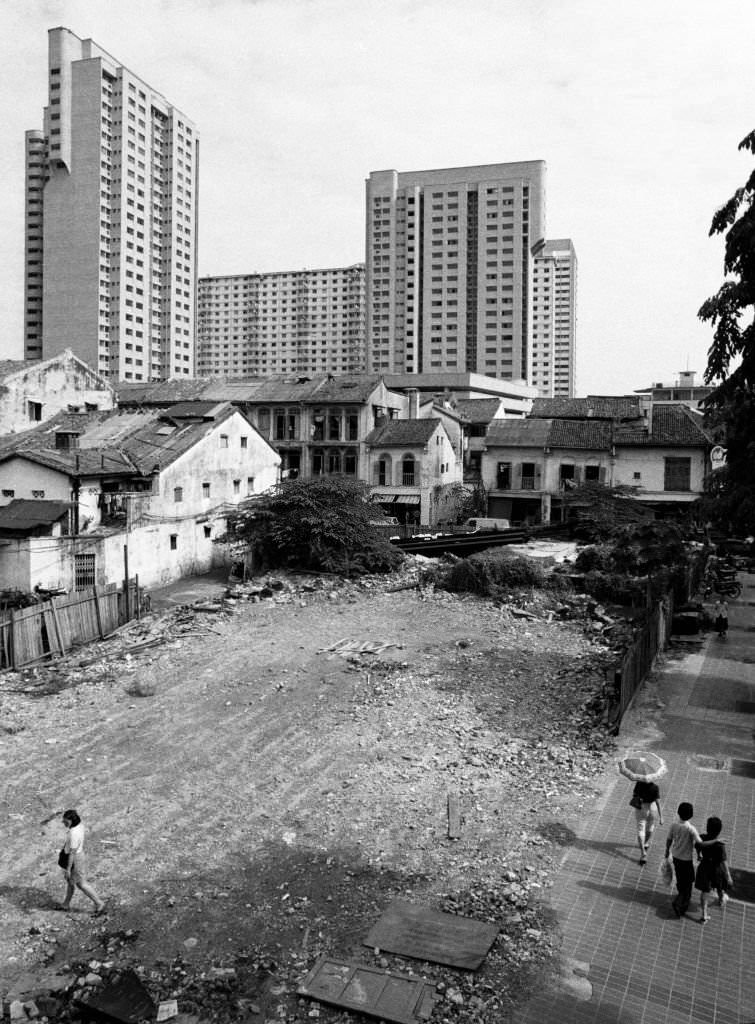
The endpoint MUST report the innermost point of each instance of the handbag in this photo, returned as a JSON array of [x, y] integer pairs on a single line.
[[666, 871], [635, 802], [63, 858]]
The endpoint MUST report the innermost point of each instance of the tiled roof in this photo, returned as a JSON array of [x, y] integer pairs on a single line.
[[323, 388], [124, 442], [403, 432], [670, 425], [580, 434], [527, 433], [593, 407], [478, 410], [9, 366], [25, 513]]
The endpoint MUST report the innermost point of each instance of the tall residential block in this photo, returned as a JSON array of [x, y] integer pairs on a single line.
[[117, 222], [554, 319], [305, 321], [448, 268]]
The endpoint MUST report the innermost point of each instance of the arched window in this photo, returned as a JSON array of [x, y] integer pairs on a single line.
[[384, 470], [408, 471]]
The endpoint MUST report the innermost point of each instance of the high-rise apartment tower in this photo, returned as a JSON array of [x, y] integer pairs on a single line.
[[111, 212], [448, 266], [303, 321], [554, 319]]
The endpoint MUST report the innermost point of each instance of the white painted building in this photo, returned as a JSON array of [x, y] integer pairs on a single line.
[[160, 484], [34, 390]]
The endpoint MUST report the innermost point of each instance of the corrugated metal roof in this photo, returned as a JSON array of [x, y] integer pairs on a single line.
[[403, 432], [28, 513]]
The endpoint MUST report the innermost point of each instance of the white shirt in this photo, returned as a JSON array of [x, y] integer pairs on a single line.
[[75, 839]]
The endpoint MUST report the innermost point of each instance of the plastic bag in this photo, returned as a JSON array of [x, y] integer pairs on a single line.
[[666, 871]]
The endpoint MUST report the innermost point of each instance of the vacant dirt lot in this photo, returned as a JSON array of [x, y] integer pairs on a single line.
[[246, 789]]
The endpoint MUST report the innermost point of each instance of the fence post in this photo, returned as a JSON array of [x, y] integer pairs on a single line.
[[12, 638], [58, 630]]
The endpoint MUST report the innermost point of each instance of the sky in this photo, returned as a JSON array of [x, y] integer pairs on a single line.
[[636, 107]]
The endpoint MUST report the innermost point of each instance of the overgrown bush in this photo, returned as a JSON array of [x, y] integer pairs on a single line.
[[321, 524], [490, 572]]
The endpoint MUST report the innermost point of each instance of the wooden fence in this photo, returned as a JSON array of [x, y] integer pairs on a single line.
[[50, 629], [638, 659]]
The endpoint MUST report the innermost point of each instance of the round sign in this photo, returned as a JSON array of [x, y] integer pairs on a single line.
[[718, 457]]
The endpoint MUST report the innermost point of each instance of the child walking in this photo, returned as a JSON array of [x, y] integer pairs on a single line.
[[712, 871], [680, 845]]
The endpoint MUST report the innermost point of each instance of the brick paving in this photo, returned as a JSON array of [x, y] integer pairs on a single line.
[[625, 957]]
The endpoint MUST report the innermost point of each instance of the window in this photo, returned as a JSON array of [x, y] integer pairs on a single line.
[[352, 426], [174, 542], [37, 494], [8, 493], [83, 571], [263, 422], [383, 470], [637, 476], [205, 490], [35, 411], [567, 475], [408, 471], [224, 440], [237, 487], [208, 532], [178, 494], [503, 476], [528, 476], [592, 472], [350, 463], [334, 462], [676, 474], [250, 485], [244, 442]]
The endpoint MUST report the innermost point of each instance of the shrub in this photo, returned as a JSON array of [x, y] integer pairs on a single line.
[[490, 572], [320, 524]]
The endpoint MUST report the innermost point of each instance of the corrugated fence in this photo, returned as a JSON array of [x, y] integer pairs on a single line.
[[51, 628]]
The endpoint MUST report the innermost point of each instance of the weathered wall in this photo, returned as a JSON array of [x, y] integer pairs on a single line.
[[54, 384]]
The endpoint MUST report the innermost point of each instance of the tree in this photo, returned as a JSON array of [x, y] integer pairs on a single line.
[[599, 512], [320, 524], [731, 405]]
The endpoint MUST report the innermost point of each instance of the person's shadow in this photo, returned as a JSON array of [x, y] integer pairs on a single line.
[[562, 835], [28, 897], [627, 894]]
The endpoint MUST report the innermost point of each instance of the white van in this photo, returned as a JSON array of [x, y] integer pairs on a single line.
[[481, 525]]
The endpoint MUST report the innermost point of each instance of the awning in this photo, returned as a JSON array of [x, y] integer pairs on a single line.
[[379, 496], [407, 499]]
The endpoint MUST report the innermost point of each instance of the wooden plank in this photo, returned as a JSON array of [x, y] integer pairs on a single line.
[[454, 816], [58, 627], [410, 929], [98, 610], [390, 996]]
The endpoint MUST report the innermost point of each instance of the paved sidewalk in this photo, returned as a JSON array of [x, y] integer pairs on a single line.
[[626, 959]]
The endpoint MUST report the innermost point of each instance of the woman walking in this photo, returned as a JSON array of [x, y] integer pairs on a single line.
[[73, 861], [646, 800], [712, 871]]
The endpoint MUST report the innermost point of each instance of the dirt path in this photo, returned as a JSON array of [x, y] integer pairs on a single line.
[[265, 795]]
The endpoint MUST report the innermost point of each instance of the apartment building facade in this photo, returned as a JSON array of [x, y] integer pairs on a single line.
[[552, 350], [111, 213], [448, 268], [307, 321]]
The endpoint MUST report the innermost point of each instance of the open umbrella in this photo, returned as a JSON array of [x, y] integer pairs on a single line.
[[642, 767]]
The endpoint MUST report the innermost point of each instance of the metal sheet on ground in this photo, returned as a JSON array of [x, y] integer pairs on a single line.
[[409, 929], [123, 998], [392, 997]]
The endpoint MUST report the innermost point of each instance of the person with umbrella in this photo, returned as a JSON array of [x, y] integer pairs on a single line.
[[644, 770]]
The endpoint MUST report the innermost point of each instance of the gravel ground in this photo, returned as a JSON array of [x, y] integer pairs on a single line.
[[255, 798]]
